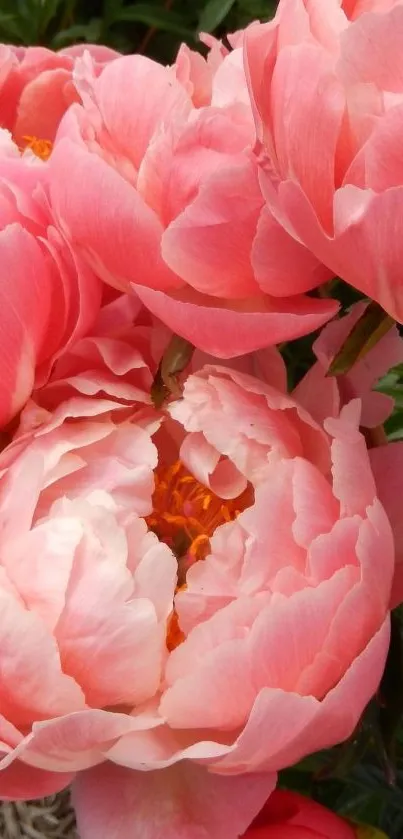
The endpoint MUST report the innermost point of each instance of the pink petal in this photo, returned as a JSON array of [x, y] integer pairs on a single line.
[[152, 96], [194, 74], [226, 330], [304, 725], [25, 296], [19, 781], [260, 56], [206, 464], [353, 482], [229, 83], [75, 741], [121, 248], [185, 157], [183, 802], [43, 103], [281, 264], [316, 508], [306, 393], [306, 147], [118, 622], [33, 685], [380, 154], [218, 686], [209, 244], [358, 214], [370, 50]]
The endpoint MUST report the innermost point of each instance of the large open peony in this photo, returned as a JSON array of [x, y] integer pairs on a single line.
[[187, 606], [163, 198]]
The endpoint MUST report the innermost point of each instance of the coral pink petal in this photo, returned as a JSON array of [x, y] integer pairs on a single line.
[[33, 685], [19, 782], [203, 461], [358, 213], [353, 482], [182, 802], [194, 74], [125, 250], [76, 740], [260, 56], [306, 393], [43, 102], [306, 147], [282, 265], [304, 725], [152, 95], [227, 332], [370, 50], [25, 296], [209, 244]]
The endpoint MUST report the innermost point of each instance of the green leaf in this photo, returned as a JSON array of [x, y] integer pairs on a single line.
[[10, 25], [153, 16], [213, 14], [394, 426], [50, 9], [88, 32], [391, 696]]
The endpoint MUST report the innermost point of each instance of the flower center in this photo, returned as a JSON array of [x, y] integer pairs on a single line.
[[41, 148], [185, 516]]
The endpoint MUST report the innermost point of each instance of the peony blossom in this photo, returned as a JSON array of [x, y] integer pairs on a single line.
[[163, 199], [287, 815], [49, 296], [36, 89], [329, 112], [162, 664]]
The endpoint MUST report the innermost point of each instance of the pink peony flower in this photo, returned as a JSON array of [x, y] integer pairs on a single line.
[[49, 296], [287, 815], [162, 198], [162, 661], [329, 112], [37, 88]]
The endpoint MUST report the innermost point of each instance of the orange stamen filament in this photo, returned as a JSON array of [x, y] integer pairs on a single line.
[[185, 516], [41, 148]]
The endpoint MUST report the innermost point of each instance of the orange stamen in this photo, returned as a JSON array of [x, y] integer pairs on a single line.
[[185, 516], [175, 636], [41, 148]]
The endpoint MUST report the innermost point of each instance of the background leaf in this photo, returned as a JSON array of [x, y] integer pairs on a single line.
[[213, 14], [158, 18]]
